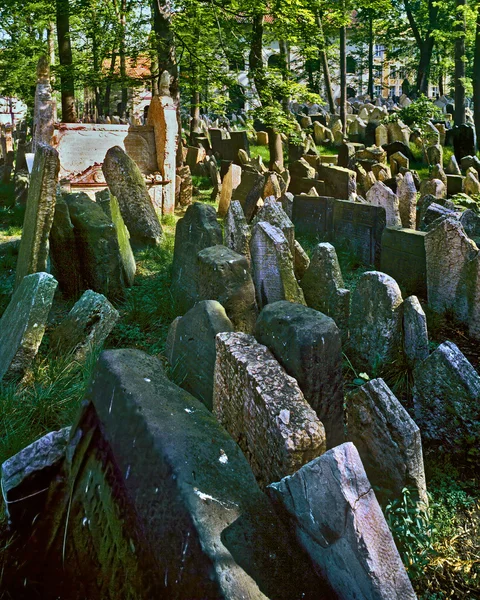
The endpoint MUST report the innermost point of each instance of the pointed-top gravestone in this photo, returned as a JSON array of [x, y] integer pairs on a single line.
[[33, 253]]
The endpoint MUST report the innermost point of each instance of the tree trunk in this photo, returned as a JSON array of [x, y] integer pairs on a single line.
[[476, 78], [459, 116], [108, 87], [123, 58], [343, 78], [65, 56], [194, 111], [255, 60], [326, 69], [275, 147], [423, 72], [370, 57]]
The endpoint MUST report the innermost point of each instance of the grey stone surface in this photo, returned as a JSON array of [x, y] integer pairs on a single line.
[[470, 222], [229, 184], [415, 332], [272, 266], [407, 200], [86, 327], [301, 262], [446, 399], [273, 213], [197, 230], [263, 409], [236, 230], [307, 344], [249, 192], [323, 286], [224, 275], [381, 195], [376, 320], [23, 323], [33, 252], [388, 441], [339, 522], [127, 184], [192, 354]]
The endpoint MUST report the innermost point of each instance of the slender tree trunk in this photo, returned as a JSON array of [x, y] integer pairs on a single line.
[[476, 78], [194, 111], [123, 58], [343, 78], [96, 67], [51, 57], [256, 66], [460, 26], [69, 114], [370, 57], [326, 69], [423, 72], [108, 87]]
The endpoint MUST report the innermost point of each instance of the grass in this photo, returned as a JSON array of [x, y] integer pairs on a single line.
[[262, 151]]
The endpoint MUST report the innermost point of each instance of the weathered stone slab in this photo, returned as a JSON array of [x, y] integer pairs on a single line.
[[415, 332], [301, 262], [272, 266], [97, 246], [340, 524], [230, 183], [339, 182], [446, 398], [313, 215], [407, 201], [324, 289], [263, 409], [33, 253], [197, 230], [307, 344], [158, 491], [249, 192], [127, 184], [236, 230], [376, 320], [388, 441], [86, 326], [381, 195], [23, 323], [224, 275], [273, 213], [404, 259]]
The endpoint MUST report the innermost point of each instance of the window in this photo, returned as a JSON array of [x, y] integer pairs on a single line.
[[378, 90], [393, 72], [351, 65], [379, 50], [377, 72], [402, 73], [392, 91]]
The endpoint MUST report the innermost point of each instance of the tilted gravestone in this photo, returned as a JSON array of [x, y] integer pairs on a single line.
[[197, 230], [23, 323], [156, 491], [388, 441], [415, 332], [230, 183], [446, 398], [272, 266], [224, 275], [33, 253], [249, 192], [192, 348], [273, 213], [381, 195], [86, 326], [308, 346], [407, 201], [263, 409], [338, 521], [376, 320], [323, 286], [127, 184], [404, 259], [97, 246], [236, 230], [301, 261]]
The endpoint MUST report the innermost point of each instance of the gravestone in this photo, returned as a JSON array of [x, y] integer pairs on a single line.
[[127, 184], [301, 262], [463, 141], [192, 348], [313, 215], [272, 266], [86, 327], [388, 441], [415, 332], [446, 399], [236, 230], [407, 201], [263, 409], [23, 323], [338, 521], [33, 253], [44, 112], [197, 230], [230, 183], [324, 289], [404, 259], [273, 213], [380, 195], [307, 344], [249, 192], [376, 320], [339, 182], [224, 275]]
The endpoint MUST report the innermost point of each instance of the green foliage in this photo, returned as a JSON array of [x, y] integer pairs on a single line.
[[417, 114]]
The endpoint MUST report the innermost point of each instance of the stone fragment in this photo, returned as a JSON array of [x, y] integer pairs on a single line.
[[26, 476], [127, 184], [471, 223], [301, 168], [415, 332], [434, 154], [272, 213], [249, 192], [376, 320], [398, 161], [433, 187], [86, 326], [446, 398], [224, 275], [432, 212], [97, 246], [197, 230], [236, 230], [272, 186], [186, 187], [471, 185], [388, 441], [33, 253], [437, 172], [452, 167], [340, 524], [23, 323], [230, 183], [192, 350], [263, 409], [262, 138], [307, 344], [324, 289], [272, 266], [381, 135], [339, 182], [380, 195], [407, 201], [301, 262]]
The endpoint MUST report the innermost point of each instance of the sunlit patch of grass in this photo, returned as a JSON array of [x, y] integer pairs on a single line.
[[262, 151]]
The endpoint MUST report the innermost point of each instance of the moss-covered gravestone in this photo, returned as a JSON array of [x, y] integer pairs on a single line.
[[33, 253], [23, 323]]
